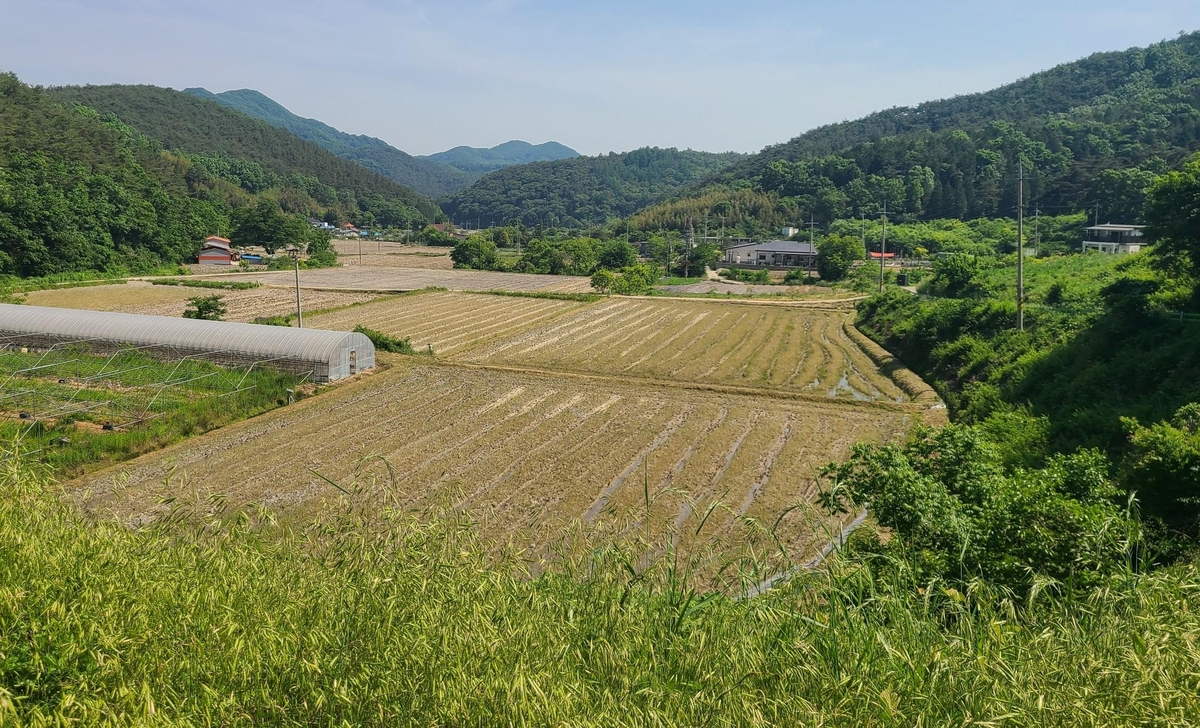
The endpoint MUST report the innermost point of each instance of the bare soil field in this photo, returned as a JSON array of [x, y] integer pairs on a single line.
[[392, 255], [144, 298], [527, 454], [719, 342], [365, 278], [448, 321]]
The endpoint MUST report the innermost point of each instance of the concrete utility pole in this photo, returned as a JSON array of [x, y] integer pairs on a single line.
[[295, 253], [1020, 246], [883, 246]]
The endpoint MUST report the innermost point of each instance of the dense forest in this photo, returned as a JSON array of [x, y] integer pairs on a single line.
[[582, 190], [479, 161], [1090, 135], [186, 123], [83, 191], [430, 178]]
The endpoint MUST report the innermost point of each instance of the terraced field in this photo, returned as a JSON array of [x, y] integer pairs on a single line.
[[448, 321], [528, 454], [777, 347]]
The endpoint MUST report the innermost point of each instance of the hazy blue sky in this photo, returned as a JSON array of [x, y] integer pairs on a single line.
[[598, 76]]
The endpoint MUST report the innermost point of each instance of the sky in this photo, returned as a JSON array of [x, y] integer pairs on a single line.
[[598, 76]]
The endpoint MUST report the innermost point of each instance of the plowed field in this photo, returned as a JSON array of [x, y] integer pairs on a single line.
[[728, 343], [447, 321], [393, 255], [365, 278], [143, 298], [526, 453]]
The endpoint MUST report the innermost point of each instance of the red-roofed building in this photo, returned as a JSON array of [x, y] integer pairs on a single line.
[[216, 251]]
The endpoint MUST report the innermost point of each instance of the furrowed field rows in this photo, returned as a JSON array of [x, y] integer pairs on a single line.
[[369, 278], [772, 347], [447, 321], [143, 298], [528, 454], [392, 255]]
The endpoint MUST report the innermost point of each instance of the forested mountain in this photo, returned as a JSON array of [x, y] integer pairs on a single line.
[[429, 177], [582, 190], [1090, 133], [481, 161], [197, 126], [83, 191]]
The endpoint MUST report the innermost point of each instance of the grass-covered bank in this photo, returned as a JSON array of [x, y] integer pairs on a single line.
[[78, 409], [413, 625]]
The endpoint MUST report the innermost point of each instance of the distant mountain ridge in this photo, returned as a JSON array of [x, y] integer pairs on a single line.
[[484, 160], [197, 125], [429, 177]]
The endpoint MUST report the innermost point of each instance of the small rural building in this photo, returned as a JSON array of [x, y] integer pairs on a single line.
[[1114, 239], [326, 355], [775, 254], [216, 251]]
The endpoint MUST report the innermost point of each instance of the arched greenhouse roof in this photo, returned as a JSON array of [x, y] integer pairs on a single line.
[[329, 352]]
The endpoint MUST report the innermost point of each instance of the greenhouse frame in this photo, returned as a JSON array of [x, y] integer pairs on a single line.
[[325, 355]]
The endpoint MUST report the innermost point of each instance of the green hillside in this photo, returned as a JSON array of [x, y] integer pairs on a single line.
[[430, 178], [481, 161], [200, 126], [582, 190], [82, 191], [1092, 133]]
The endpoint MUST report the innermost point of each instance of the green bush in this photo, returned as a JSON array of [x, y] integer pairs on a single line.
[[208, 308], [387, 342], [634, 280], [958, 514], [202, 283], [477, 252]]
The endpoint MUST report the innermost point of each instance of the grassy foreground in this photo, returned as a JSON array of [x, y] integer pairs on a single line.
[[413, 625]]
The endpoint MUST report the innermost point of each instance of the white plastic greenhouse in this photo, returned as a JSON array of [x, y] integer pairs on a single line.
[[328, 355]]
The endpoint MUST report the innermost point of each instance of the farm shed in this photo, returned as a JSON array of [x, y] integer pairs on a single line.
[[328, 355]]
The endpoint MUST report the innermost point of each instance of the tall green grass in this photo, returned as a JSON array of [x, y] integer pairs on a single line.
[[71, 393], [412, 622]]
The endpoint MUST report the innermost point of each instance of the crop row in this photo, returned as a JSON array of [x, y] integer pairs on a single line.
[[528, 454], [726, 343], [447, 321]]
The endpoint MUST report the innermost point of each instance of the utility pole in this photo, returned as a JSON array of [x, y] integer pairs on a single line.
[[295, 253], [812, 243], [1020, 245], [883, 246]]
